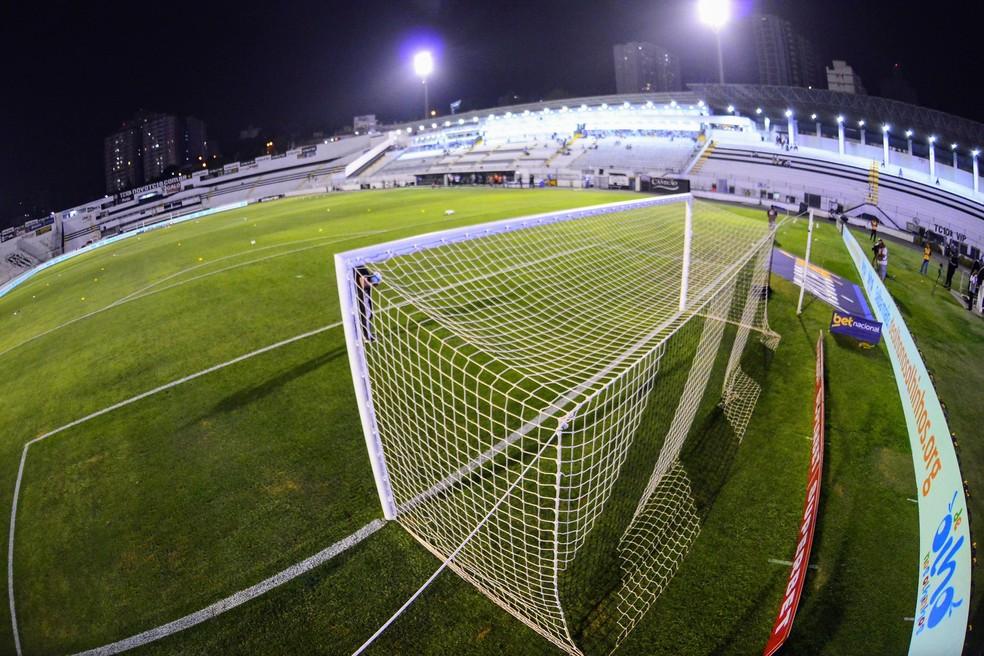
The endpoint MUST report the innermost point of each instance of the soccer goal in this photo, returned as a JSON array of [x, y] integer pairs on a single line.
[[542, 389]]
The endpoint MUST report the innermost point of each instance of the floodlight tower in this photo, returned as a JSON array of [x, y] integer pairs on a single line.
[[715, 14], [932, 157], [840, 134], [423, 66]]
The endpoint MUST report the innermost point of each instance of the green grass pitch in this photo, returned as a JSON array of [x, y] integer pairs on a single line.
[[165, 506]]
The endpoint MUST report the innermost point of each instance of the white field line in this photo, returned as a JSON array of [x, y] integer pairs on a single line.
[[99, 413], [135, 296], [240, 597]]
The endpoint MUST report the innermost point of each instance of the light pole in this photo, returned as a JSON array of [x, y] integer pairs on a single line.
[[908, 138], [932, 158], [861, 129], [840, 134], [715, 14], [975, 153], [791, 127], [953, 149], [423, 66], [814, 117], [885, 129]]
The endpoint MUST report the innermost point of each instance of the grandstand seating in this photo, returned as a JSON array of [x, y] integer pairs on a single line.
[[569, 142]]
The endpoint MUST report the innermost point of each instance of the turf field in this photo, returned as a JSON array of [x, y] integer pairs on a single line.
[[162, 507]]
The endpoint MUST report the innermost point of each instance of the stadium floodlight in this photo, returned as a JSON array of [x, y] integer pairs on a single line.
[[789, 113], [715, 14], [840, 118], [731, 109], [861, 123], [423, 66], [908, 134], [758, 110], [975, 152], [886, 127], [953, 146], [932, 138], [813, 117], [487, 451]]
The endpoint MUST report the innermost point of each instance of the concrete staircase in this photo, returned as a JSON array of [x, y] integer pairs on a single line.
[[873, 174]]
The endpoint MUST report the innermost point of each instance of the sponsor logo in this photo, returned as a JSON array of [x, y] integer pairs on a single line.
[[854, 326], [936, 593]]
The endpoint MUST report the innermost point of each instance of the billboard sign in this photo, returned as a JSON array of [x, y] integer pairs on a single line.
[[664, 185], [860, 328], [943, 594]]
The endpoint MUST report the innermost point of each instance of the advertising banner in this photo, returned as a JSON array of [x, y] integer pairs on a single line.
[[943, 594], [797, 573], [860, 328], [663, 185]]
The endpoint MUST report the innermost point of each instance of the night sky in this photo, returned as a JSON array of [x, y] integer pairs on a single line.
[[73, 72]]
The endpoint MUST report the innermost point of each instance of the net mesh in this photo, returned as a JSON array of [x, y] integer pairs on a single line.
[[564, 345]]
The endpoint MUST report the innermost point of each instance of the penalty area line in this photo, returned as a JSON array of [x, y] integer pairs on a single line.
[[99, 413], [238, 598]]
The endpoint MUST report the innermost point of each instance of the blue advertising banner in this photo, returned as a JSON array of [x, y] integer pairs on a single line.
[[943, 588], [860, 328]]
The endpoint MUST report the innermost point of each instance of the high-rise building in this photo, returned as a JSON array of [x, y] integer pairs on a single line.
[[843, 78], [645, 67], [785, 58], [149, 146]]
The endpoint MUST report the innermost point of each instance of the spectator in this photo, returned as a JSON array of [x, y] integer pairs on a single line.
[[773, 215], [882, 260], [953, 261], [874, 229], [927, 255]]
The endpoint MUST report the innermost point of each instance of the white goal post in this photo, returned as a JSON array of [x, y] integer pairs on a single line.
[[527, 388]]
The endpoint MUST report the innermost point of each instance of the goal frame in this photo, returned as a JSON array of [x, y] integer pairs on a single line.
[[346, 262]]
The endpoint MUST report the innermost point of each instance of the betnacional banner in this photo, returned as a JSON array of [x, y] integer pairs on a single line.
[[797, 573], [860, 328], [943, 594]]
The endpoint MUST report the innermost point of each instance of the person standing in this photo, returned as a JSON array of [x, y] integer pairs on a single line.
[[881, 259], [927, 256], [953, 261], [773, 216], [874, 229]]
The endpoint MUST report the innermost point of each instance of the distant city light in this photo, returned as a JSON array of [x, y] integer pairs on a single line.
[[714, 13], [423, 63]]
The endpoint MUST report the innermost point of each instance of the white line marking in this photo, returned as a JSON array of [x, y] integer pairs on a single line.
[[240, 597], [99, 413]]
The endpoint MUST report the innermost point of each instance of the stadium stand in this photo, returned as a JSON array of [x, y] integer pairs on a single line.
[[570, 143]]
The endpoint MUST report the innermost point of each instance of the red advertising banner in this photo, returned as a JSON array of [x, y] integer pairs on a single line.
[[797, 573]]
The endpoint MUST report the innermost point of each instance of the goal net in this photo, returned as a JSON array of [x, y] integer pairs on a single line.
[[582, 370]]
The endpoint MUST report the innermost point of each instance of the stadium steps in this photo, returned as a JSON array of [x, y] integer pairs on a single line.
[[702, 159], [873, 174]]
